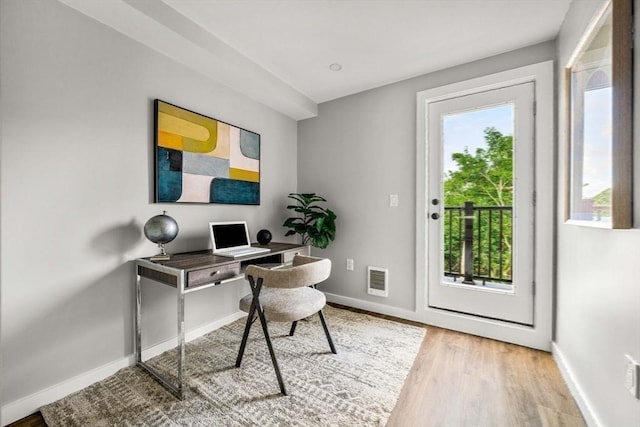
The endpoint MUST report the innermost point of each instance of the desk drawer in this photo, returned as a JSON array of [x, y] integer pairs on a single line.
[[212, 274]]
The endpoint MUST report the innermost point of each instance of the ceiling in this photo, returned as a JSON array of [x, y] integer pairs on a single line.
[[278, 52]]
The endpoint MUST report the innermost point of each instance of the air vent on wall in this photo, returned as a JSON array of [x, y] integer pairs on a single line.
[[378, 281]]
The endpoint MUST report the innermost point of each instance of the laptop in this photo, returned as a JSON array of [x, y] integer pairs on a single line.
[[231, 239]]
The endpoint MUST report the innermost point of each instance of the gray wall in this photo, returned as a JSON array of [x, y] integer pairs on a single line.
[[77, 183], [358, 151], [598, 294]]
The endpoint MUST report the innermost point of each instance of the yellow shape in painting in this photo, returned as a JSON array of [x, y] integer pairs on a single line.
[[197, 133], [178, 126], [195, 138], [244, 175], [169, 140]]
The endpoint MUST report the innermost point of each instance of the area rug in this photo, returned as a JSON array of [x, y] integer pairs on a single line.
[[359, 386]]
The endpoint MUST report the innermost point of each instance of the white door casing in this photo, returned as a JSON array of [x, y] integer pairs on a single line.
[[539, 334]]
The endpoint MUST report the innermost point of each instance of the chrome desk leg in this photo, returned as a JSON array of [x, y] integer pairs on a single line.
[[138, 319], [175, 389], [181, 335]]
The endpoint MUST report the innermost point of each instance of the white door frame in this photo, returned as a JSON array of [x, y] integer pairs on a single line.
[[540, 334]]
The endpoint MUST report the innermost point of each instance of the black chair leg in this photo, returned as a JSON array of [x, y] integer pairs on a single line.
[[326, 332], [245, 336], [255, 306], [293, 328], [263, 322]]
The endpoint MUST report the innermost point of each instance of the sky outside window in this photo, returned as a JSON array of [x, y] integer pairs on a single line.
[[596, 175], [466, 129]]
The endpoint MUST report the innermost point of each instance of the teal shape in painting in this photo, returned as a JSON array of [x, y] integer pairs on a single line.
[[250, 144], [169, 179], [233, 191]]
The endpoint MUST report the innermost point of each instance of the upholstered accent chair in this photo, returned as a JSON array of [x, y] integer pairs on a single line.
[[284, 295]]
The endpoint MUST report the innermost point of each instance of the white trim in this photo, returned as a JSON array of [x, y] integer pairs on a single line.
[[576, 391], [539, 336], [27, 405], [493, 329], [587, 34], [476, 288], [163, 346], [489, 328], [373, 307], [590, 224]]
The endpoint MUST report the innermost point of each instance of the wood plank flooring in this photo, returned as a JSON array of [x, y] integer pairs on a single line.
[[34, 420], [460, 380], [464, 380]]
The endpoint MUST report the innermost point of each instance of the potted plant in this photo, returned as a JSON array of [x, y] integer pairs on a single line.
[[317, 226]]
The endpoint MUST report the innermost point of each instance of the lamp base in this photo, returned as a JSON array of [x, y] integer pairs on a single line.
[[160, 257]]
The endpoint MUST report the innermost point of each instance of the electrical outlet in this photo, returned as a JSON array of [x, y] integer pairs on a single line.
[[631, 376], [393, 200], [349, 264]]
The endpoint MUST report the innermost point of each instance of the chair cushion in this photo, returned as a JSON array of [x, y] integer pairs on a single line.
[[287, 305]]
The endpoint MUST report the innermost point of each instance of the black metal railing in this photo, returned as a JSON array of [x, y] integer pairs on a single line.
[[478, 243]]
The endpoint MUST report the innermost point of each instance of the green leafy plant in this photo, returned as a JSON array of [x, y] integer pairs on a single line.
[[317, 225]]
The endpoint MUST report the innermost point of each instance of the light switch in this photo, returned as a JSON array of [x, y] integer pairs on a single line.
[[393, 200], [349, 264]]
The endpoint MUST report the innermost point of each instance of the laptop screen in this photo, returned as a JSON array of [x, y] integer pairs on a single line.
[[229, 235]]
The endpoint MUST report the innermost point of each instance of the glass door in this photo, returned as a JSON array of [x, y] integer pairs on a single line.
[[481, 204]]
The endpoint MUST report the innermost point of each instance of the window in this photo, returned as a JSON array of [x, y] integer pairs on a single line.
[[599, 82]]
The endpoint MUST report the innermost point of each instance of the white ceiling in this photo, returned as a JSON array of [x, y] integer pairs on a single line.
[[279, 51]]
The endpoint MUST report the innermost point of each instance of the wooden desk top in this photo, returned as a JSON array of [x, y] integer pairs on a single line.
[[205, 258]]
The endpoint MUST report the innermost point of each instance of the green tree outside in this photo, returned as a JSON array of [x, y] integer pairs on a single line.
[[485, 178]]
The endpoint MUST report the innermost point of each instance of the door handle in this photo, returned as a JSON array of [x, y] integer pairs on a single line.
[[435, 202], [435, 215]]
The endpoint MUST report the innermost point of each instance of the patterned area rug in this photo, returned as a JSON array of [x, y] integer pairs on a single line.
[[357, 387]]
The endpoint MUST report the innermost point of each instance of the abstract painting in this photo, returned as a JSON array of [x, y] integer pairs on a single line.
[[204, 160]]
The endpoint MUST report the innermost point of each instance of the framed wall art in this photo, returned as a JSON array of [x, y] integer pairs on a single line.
[[199, 159]]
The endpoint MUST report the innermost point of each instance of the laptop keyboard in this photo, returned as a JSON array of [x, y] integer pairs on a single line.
[[240, 251], [243, 251]]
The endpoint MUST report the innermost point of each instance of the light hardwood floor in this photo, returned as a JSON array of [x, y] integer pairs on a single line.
[[464, 380], [460, 380]]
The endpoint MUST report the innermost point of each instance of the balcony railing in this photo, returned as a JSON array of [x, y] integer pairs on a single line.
[[477, 243]]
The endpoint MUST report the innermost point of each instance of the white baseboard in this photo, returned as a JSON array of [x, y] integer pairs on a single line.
[[160, 348], [374, 307], [501, 331], [574, 388], [28, 405]]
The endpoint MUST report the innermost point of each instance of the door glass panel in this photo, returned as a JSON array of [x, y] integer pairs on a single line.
[[477, 165]]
